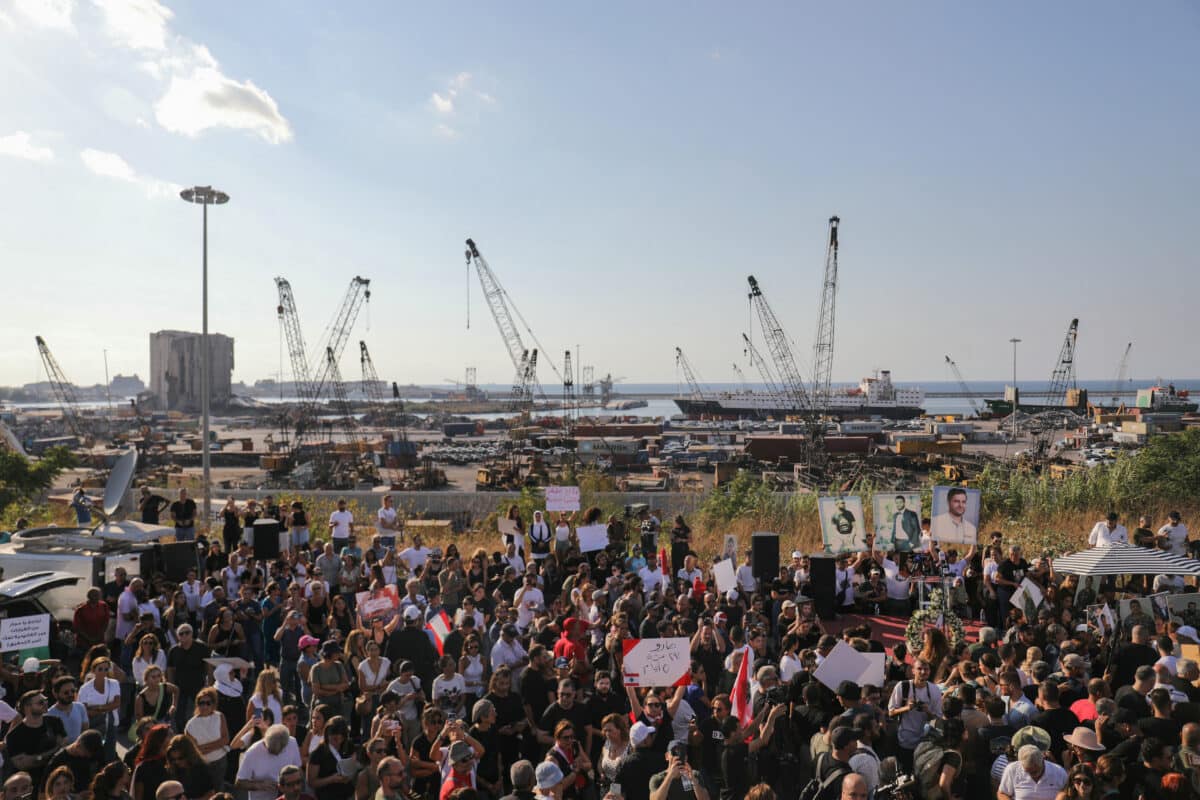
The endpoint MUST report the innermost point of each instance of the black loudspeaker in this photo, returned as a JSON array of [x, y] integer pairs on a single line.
[[176, 558], [266, 539], [764, 556], [822, 585]]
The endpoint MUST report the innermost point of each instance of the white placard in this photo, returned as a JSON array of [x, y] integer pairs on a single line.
[[22, 633], [657, 662], [508, 527], [725, 575], [592, 538], [844, 662], [562, 498], [1027, 591]]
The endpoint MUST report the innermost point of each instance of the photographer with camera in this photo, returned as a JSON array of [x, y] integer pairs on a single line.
[[914, 702], [677, 782]]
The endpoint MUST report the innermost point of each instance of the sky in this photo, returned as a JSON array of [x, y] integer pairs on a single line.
[[998, 169]]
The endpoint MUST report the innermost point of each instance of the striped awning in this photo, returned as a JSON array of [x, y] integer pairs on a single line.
[[1125, 559]]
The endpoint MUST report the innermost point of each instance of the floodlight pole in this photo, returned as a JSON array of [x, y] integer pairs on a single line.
[[1016, 394], [205, 196]]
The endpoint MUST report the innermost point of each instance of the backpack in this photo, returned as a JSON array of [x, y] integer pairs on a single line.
[[818, 789]]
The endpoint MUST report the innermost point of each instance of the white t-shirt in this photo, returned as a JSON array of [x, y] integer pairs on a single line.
[[447, 693], [89, 695], [1015, 782], [339, 523], [528, 597], [689, 577], [140, 666], [385, 517], [789, 666], [1103, 536], [258, 764], [745, 579], [1176, 538], [563, 533], [408, 711], [652, 579], [414, 557]]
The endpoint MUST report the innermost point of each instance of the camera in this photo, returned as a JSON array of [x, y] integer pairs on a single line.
[[678, 749], [897, 789], [776, 695]]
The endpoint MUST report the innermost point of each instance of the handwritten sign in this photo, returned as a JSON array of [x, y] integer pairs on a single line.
[[508, 527], [381, 603], [657, 662], [592, 538], [725, 575], [562, 498], [22, 633]]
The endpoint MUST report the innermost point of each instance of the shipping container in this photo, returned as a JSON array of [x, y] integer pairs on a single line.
[[953, 428], [458, 429], [860, 427], [1125, 437]]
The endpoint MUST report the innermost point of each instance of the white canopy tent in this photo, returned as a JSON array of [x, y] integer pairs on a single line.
[[1125, 559]]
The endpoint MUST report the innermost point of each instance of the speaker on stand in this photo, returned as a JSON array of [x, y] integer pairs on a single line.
[[266, 539], [822, 584], [764, 557]]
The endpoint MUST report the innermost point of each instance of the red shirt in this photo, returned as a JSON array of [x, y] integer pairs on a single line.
[[91, 621], [1084, 710], [456, 781]]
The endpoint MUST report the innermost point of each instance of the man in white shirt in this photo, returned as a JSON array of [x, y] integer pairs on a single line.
[[415, 555], [1031, 777], [652, 580], [746, 581], [508, 652], [127, 607], [258, 772], [1175, 534], [528, 600], [193, 590], [341, 526], [385, 519], [1108, 531]]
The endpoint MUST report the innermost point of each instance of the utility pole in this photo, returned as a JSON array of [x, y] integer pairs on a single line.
[[205, 196], [1016, 394]]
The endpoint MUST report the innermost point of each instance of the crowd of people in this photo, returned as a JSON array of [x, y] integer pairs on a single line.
[[500, 675]]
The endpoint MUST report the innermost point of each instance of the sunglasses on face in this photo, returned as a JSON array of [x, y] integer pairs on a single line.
[[204, 702]]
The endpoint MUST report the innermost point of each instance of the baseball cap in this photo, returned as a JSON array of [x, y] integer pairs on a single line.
[[308, 641], [30, 665], [562, 662], [548, 774], [731, 595], [640, 732], [412, 612], [787, 604], [797, 554], [461, 751]]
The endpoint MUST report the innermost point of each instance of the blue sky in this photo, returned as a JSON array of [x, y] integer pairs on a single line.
[[998, 170]]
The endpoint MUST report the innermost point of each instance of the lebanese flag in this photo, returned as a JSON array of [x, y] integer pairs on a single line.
[[739, 697], [440, 628]]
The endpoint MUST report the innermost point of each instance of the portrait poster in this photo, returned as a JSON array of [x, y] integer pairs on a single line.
[[1185, 608], [1136, 611], [729, 548], [897, 518], [1087, 590], [843, 527], [1102, 619], [955, 515]]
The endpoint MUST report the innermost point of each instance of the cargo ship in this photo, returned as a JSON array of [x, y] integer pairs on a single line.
[[873, 397]]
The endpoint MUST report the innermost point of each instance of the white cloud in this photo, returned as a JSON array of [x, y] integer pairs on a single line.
[[459, 101], [136, 24], [204, 97], [442, 104], [111, 165], [54, 14], [445, 131], [20, 145]]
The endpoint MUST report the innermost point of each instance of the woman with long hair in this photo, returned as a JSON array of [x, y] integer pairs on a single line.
[[477, 568], [517, 538], [474, 670], [323, 774], [209, 731], [148, 654], [615, 748], [101, 694], [1081, 784], [935, 649], [60, 784], [177, 614], [266, 695], [186, 765], [111, 782], [231, 525], [316, 730], [511, 722], [367, 782], [99, 651], [568, 753], [226, 638], [940, 761], [373, 674], [157, 699], [151, 769]]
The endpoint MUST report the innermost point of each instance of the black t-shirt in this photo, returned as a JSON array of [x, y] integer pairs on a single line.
[[1128, 658], [197, 781], [185, 513], [1013, 572], [712, 743], [535, 691], [327, 764], [1165, 730], [600, 706], [151, 507], [82, 768], [489, 765], [577, 715], [149, 774], [27, 741], [421, 746], [189, 667], [1058, 722]]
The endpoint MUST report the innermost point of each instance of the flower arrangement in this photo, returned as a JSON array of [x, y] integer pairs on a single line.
[[928, 618]]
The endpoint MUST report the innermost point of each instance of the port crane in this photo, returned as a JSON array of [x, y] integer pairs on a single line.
[[823, 343], [793, 384], [1061, 379], [1122, 375], [770, 383], [388, 414], [742, 378], [64, 391], [976, 407], [683, 365], [341, 401], [524, 359]]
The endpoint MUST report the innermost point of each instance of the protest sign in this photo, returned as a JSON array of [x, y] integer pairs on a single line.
[[508, 527], [844, 663], [725, 575], [382, 602], [22, 633], [657, 662], [562, 498], [1027, 597], [592, 538]]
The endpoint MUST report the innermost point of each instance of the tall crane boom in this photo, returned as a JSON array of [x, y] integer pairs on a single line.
[[1122, 374], [63, 389], [741, 378], [289, 318], [340, 400], [962, 385], [823, 343], [689, 375], [370, 378], [1063, 376], [568, 390], [764, 371], [358, 293]]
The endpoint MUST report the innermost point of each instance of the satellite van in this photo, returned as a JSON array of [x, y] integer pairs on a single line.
[[93, 554]]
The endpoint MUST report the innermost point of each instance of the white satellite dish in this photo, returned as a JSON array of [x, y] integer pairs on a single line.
[[119, 481]]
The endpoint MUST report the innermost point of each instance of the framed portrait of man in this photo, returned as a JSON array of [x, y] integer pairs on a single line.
[[843, 526], [898, 521], [955, 516]]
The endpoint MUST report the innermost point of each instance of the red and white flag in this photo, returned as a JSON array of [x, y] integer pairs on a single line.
[[440, 627], [739, 697]]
